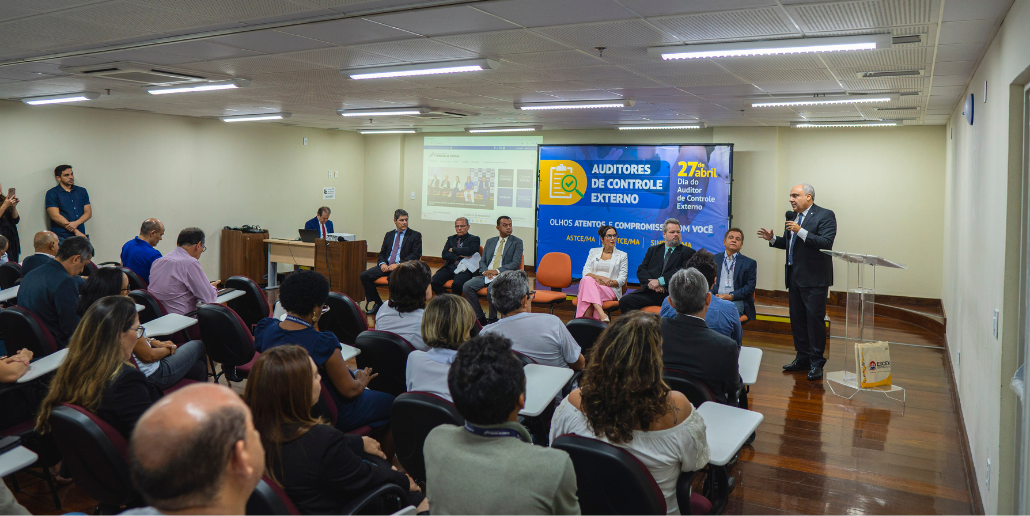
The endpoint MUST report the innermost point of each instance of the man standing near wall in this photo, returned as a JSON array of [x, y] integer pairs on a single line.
[[809, 274], [67, 205]]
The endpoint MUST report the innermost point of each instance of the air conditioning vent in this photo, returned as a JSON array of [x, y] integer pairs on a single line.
[[441, 113], [140, 73]]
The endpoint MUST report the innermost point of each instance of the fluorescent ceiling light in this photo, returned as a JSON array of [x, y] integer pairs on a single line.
[[193, 87], [256, 118], [779, 46], [389, 131], [575, 104], [699, 125], [58, 99], [889, 73], [863, 123], [506, 129], [895, 108], [379, 72], [822, 101], [417, 110]]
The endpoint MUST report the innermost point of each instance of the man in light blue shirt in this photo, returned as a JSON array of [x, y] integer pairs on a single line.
[[722, 315]]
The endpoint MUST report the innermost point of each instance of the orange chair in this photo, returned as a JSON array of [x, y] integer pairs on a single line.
[[607, 306], [447, 286], [652, 309], [553, 271]]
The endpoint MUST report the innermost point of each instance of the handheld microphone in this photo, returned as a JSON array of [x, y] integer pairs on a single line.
[[791, 215]]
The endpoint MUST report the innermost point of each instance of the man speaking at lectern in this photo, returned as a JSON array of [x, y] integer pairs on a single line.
[[809, 274]]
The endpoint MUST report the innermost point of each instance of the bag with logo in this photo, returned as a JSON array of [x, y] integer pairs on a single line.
[[874, 364]]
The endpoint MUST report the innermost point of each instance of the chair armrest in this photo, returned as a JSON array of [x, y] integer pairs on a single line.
[[385, 493], [683, 490], [105, 264]]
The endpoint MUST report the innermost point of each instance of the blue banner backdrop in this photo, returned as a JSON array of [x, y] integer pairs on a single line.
[[633, 188]]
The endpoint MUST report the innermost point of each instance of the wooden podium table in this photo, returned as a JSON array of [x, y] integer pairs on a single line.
[[340, 262]]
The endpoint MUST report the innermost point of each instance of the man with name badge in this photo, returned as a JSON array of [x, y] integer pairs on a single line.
[[738, 275], [809, 274]]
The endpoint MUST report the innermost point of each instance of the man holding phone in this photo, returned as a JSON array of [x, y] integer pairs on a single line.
[[67, 205]]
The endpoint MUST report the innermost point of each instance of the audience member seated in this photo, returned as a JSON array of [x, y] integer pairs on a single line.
[[177, 280], [400, 245], [622, 400], [501, 253], [51, 291], [689, 345], [722, 315], [402, 313], [163, 363], [541, 337], [459, 246], [97, 375], [480, 469], [196, 452], [447, 323], [44, 243], [738, 275], [303, 295], [21, 404], [604, 275], [321, 468], [139, 254]]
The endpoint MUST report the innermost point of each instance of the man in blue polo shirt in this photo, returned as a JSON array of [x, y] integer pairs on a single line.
[[139, 253], [67, 205], [722, 315]]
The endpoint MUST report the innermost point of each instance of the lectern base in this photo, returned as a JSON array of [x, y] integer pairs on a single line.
[[848, 382]]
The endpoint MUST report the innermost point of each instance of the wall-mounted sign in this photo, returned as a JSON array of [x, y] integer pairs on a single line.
[[329, 192]]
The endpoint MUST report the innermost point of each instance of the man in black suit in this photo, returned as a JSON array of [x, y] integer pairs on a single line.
[[45, 244], [400, 245], [809, 274], [690, 346], [459, 246], [501, 253], [737, 275], [654, 273]]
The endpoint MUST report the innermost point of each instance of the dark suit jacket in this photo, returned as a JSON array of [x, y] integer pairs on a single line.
[[812, 267], [32, 261], [469, 246], [512, 254], [689, 345], [125, 399], [52, 294], [313, 224], [654, 265], [411, 246], [745, 279]]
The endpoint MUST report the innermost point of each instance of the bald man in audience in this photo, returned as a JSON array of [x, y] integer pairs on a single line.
[[45, 244], [196, 451], [139, 253]]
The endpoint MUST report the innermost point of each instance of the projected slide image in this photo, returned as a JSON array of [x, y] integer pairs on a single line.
[[461, 187], [480, 177]]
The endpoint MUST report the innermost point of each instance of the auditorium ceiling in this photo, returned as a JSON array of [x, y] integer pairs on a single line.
[[292, 52]]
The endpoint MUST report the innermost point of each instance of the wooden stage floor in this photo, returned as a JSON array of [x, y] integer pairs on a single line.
[[815, 453]]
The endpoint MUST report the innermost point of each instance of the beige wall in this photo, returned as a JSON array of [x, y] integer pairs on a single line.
[[885, 185], [184, 171], [982, 235]]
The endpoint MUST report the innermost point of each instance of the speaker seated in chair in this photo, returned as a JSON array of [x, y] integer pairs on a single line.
[[303, 295], [320, 468], [629, 354]]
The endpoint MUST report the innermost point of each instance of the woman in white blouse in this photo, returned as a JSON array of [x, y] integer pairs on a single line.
[[604, 275], [623, 401]]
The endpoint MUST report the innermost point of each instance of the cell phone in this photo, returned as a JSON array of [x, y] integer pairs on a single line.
[[10, 192]]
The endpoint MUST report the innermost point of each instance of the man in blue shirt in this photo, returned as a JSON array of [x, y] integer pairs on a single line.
[[321, 222], [139, 253], [51, 291], [722, 315], [67, 205]]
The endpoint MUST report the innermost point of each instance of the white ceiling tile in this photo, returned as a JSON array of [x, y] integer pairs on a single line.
[[10, 73], [250, 66], [351, 31], [953, 68], [614, 84], [885, 83], [205, 50], [496, 43], [230, 10], [608, 34], [975, 10], [269, 42], [679, 67], [959, 52], [765, 21], [973, 31], [950, 80], [340, 57], [742, 90], [79, 32], [139, 17], [442, 21], [875, 58], [667, 7], [554, 60], [863, 14], [144, 55], [416, 50], [538, 13], [947, 90], [703, 80], [775, 62], [595, 72], [799, 87]]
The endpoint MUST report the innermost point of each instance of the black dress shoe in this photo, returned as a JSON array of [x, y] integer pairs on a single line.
[[797, 365], [374, 310], [816, 373]]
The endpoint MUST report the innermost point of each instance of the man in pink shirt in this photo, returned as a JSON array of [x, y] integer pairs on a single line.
[[177, 280]]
